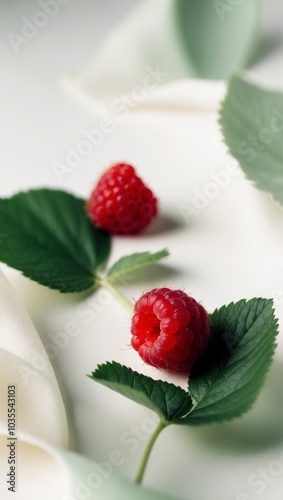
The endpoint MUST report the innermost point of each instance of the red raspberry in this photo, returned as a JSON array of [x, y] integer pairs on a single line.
[[120, 202], [170, 329]]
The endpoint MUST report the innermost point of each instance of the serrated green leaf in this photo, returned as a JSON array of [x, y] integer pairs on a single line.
[[252, 125], [130, 263], [228, 377], [51, 240], [217, 36], [169, 401]]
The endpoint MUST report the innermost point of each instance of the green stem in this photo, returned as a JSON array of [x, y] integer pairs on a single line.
[[139, 477], [116, 293]]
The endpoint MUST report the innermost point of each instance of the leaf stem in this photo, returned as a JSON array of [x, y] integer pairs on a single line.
[[139, 477], [116, 293]]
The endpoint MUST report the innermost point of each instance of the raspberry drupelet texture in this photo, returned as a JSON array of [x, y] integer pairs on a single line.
[[121, 203], [169, 329]]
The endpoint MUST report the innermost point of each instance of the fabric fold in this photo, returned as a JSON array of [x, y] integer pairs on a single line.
[[143, 63], [34, 460]]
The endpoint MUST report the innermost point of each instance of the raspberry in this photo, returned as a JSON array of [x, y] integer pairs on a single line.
[[120, 202], [170, 329]]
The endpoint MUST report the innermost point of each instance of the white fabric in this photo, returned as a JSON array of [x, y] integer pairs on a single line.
[[226, 241], [144, 44], [43, 468], [223, 247], [24, 363]]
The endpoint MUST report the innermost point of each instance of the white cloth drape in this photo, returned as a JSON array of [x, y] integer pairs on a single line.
[[44, 467]]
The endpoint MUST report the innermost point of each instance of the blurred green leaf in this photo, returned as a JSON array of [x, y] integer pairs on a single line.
[[218, 36], [252, 125]]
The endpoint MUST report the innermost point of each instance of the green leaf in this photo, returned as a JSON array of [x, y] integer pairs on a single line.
[[228, 377], [51, 240], [169, 401], [252, 125], [218, 37], [130, 263]]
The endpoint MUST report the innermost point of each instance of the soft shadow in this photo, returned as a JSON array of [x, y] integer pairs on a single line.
[[50, 296], [267, 45], [260, 429], [163, 224], [156, 273]]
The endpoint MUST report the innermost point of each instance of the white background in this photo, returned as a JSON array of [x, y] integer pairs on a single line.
[[231, 249]]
